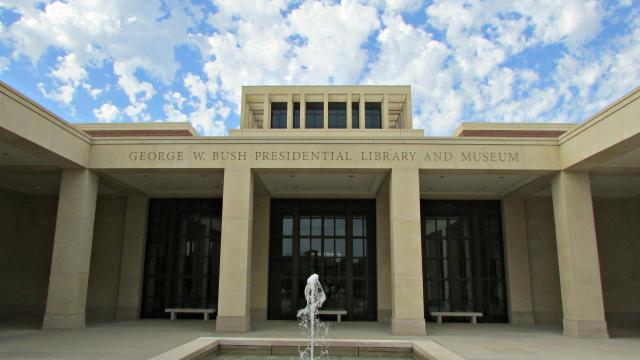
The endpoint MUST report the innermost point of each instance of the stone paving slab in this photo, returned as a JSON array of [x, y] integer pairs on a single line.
[[145, 339]]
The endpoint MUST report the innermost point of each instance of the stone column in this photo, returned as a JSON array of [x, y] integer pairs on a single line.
[[349, 112], [67, 296], [580, 285], [407, 304], [325, 111], [266, 119], [383, 265], [517, 261], [260, 252], [235, 252], [407, 121], [385, 111], [361, 111], [132, 263], [303, 111], [290, 112]]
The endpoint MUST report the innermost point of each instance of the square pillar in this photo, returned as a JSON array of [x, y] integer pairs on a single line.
[[325, 111], [580, 284], [260, 252], [383, 262], [132, 263], [407, 117], [349, 111], [361, 112], [235, 251], [517, 261], [70, 262], [303, 111], [290, 111], [385, 111], [266, 119], [407, 304]]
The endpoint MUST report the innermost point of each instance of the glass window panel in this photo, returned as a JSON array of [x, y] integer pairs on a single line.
[[305, 226], [358, 247], [340, 269], [340, 226], [287, 226], [372, 115], [287, 247], [328, 227], [442, 227], [278, 115], [336, 293], [359, 296], [304, 264], [355, 115], [359, 267], [337, 115], [286, 300], [340, 248], [328, 247], [357, 227], [296, 115], [287, 266], [316, 246], [305, 246], [329, 268], [433, 268], [314, 115], [316, 226]]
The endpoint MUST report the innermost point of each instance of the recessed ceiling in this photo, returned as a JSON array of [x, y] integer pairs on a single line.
[[629, 159], [615, 186], [452, 185], [164, 184], [327, 184], [42, 183], [31, 183], [12, 155]]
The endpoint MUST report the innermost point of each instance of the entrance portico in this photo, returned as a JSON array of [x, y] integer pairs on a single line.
[[557, 256]]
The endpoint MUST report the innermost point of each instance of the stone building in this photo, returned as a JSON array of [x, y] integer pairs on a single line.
[[528, 223]]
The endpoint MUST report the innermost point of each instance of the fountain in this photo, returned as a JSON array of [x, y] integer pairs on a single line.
[[308, 318]]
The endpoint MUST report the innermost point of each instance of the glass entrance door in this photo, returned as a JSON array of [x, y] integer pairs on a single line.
[[332, 238], [463, 261], [182, 256]]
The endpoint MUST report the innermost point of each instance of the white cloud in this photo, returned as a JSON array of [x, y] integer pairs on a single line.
[[134, 35], [106, 113], [462, 63], [4, 64], [317, 43]]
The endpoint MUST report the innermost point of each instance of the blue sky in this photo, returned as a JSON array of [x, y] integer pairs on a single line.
[[504, 61]]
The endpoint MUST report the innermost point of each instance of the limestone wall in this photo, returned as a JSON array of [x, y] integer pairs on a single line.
[[106, 251], [543, 261], [618, 232], [27, 224]]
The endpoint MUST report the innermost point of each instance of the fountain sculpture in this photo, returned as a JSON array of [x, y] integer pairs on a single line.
[[308, 319]]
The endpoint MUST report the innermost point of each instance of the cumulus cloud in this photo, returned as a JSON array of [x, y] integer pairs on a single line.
[[134, 36], [106, 113], [315, 43], [466, 60]]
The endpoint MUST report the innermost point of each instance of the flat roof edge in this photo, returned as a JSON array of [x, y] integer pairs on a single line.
[[16, 95]]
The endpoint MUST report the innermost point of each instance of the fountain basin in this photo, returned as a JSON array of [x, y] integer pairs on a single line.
[[209, 348]]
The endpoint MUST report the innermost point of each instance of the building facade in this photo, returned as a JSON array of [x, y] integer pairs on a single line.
[[526, 223]]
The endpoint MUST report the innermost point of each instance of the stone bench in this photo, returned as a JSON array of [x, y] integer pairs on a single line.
[[174, 311], [472, 315], [337, 312]]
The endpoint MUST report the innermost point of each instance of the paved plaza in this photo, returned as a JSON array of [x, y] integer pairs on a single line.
[[144, 339]]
